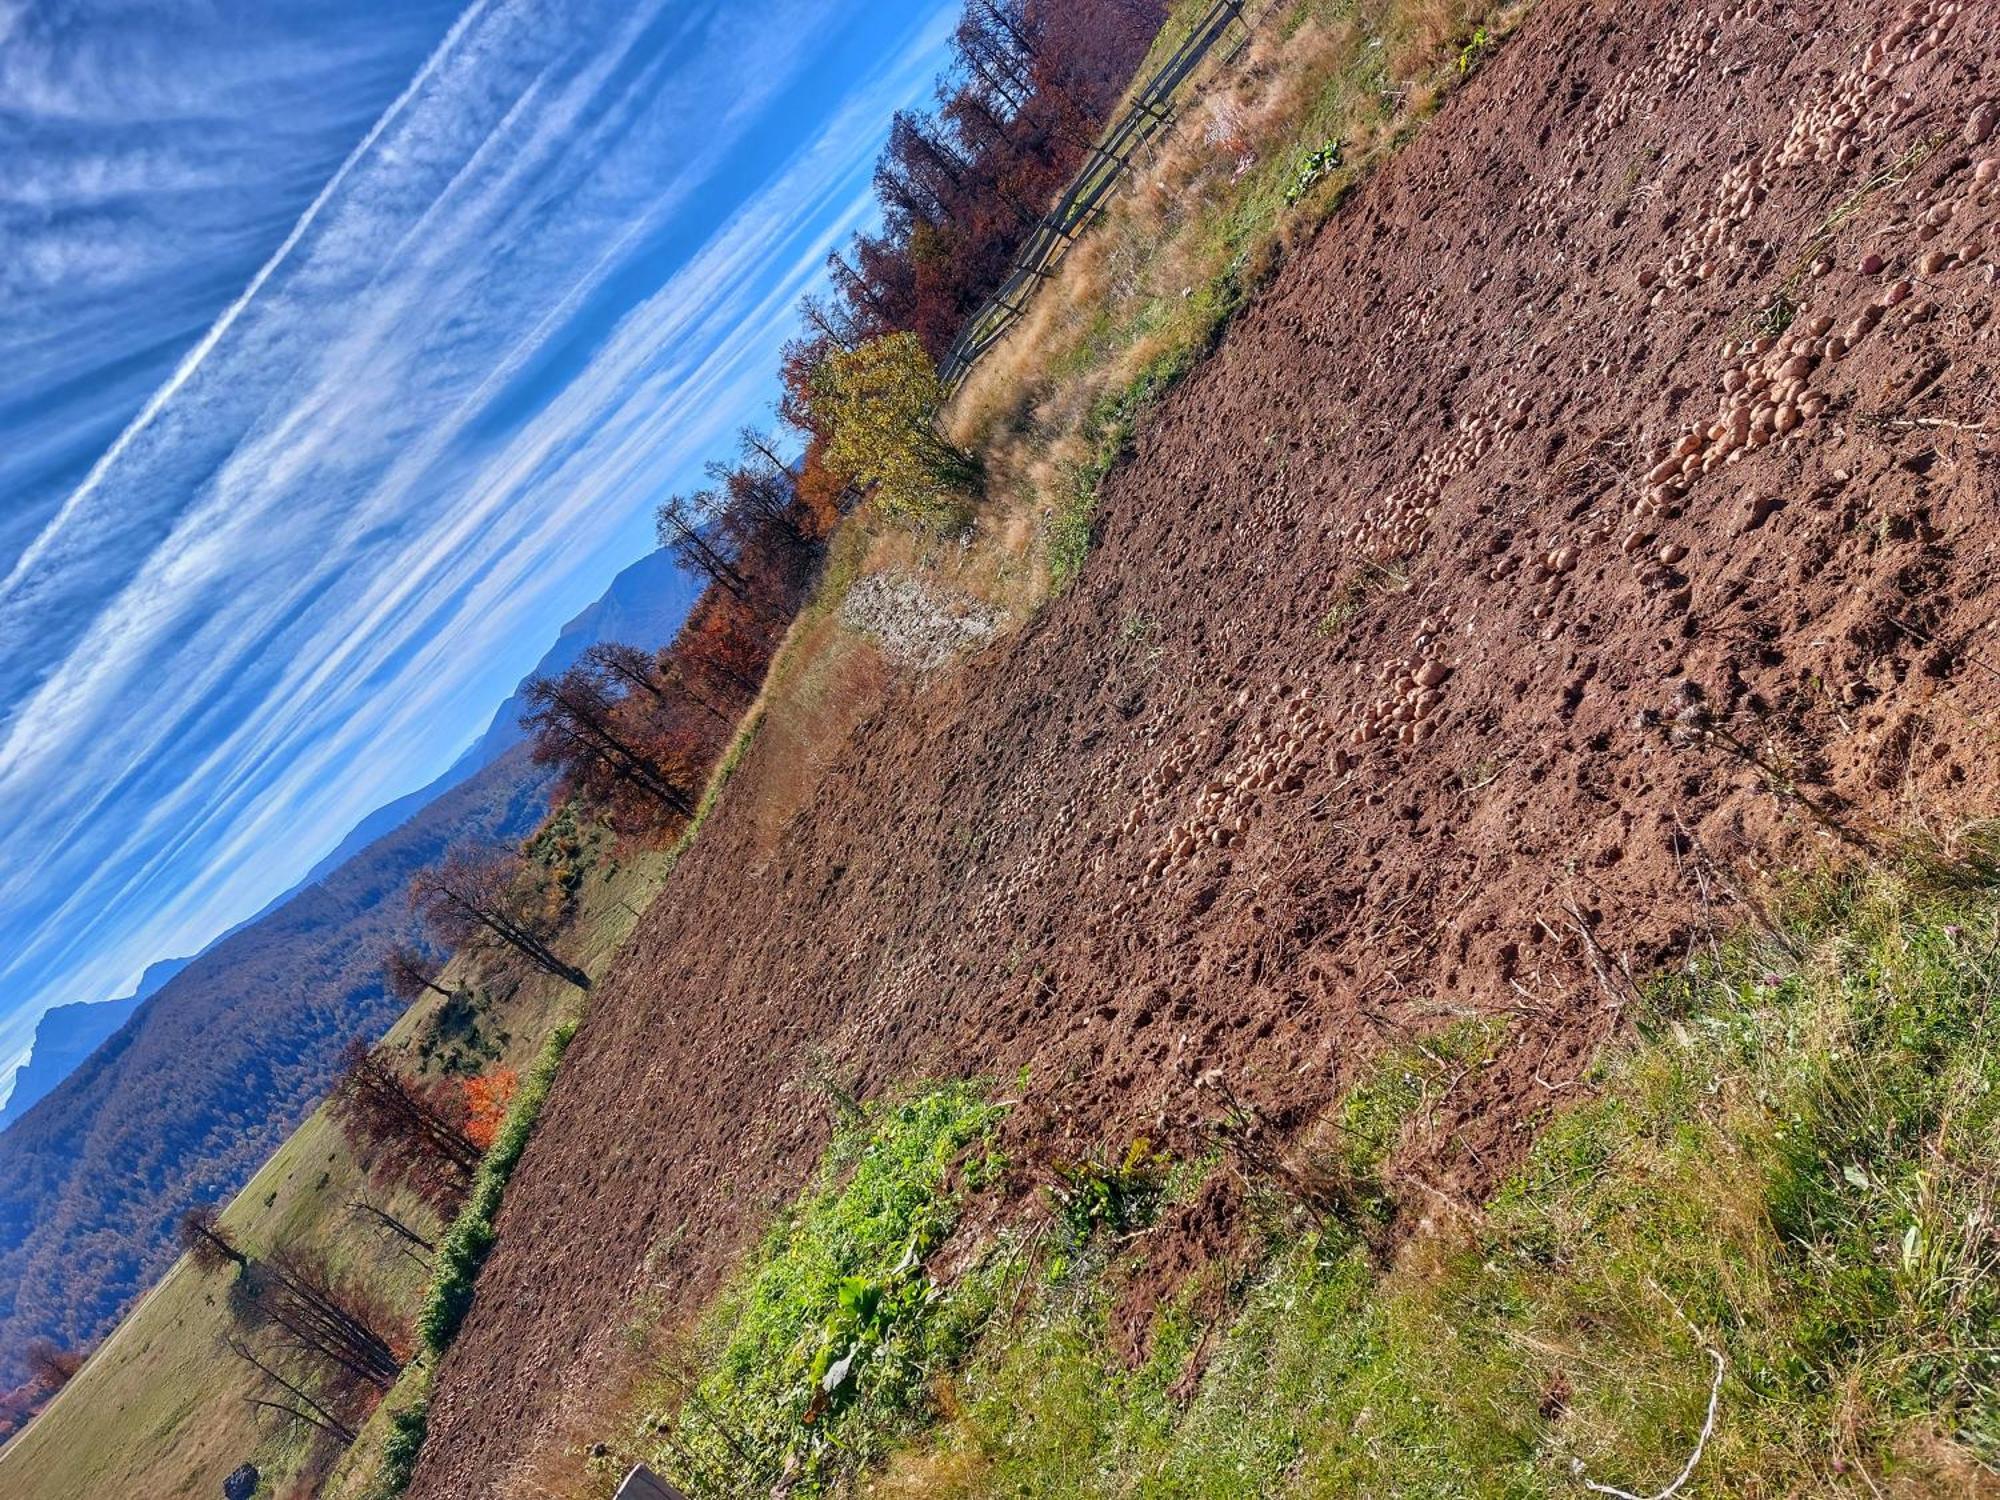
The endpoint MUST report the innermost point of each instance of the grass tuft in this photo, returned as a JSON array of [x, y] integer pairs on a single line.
[[1796, 1166], [828, 1347]]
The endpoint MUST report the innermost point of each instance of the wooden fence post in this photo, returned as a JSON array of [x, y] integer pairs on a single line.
[[1045, 248]]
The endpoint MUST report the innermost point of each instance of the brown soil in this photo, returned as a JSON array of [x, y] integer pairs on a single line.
[[1239, 802]]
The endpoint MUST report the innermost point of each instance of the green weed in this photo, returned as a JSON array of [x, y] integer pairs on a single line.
[[1116, 1197], [829, 1345], [1356, 588], [1313, 168], [1778, 316], [1474, 51]]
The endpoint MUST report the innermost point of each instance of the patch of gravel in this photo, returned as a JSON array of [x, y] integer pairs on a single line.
[[918, 626]]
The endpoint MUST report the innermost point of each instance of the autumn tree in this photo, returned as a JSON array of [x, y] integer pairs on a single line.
[[659, 684], [309, 1312], [417, 1130], [635, 671], [758, 494], [880, 403], [671, 680], [49, 1364], [408, 971], [1084, 57], [1028, 90], [689, 527], [822, 495], [875, 285], [322, 1340], [719, 646], [207, 1243], [994, 45], [467, 897], [579, 722], [487, 1100], [827, 320]]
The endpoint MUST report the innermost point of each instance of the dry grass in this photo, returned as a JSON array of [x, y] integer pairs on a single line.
[[811, 711], [926, 1475], [1206, 216]]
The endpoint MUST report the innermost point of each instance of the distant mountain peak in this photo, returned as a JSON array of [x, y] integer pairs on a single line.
[[67, 1034]]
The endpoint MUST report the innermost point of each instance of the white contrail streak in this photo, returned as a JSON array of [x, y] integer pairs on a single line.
[[196, 356]]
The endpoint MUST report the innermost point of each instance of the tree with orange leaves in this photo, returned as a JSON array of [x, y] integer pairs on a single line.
[[486, 1103]]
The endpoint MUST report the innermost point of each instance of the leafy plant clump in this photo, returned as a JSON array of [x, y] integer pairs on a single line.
[[1779, 1200], [830, 1344], [1313, 169], [1474, 51], [1117, 1197]]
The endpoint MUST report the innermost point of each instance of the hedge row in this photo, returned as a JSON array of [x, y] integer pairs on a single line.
[[470, 1239]]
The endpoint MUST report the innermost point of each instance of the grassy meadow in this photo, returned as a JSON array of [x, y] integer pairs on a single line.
[[159, 1408]]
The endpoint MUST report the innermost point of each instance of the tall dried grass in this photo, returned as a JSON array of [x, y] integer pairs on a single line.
[[1205, 216]]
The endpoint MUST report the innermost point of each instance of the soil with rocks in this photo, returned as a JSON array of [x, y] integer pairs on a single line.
[[1602, 508]]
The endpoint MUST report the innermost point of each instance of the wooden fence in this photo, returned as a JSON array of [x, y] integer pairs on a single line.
[[1080, 206]]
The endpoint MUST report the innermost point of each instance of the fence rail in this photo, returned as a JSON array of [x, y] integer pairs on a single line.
[[1060, 228]]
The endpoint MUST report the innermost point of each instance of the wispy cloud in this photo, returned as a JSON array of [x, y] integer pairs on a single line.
[[548, 281], [74, 516]]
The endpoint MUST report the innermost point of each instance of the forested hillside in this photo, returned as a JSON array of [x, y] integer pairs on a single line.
[[212, 1075]]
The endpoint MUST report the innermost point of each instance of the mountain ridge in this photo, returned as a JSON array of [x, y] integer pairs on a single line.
[[205, 1074], [67, 1034]]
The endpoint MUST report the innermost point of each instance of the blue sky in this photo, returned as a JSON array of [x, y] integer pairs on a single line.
[[345, 349]]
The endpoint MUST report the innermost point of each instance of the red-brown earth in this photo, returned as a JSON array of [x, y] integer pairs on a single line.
[[1241, 801]]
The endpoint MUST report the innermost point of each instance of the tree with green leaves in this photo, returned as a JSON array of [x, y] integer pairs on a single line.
[[879, 402]]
